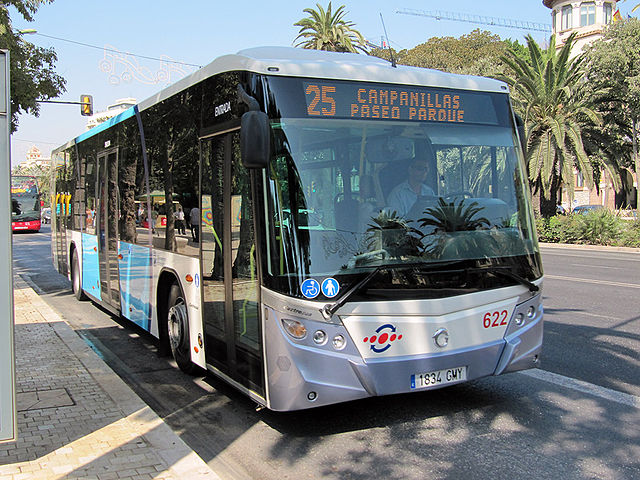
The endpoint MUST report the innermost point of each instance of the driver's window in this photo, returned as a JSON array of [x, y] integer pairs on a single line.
[[322, 184], [466, 171], [450, 170]]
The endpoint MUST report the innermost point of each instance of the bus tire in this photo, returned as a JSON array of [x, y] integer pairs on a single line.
[[76, 282], [178, 330]]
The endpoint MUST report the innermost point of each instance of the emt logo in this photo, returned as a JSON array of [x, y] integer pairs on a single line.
[[385, 335]]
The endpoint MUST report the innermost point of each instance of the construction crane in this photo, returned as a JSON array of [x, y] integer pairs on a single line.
[[478, 19]]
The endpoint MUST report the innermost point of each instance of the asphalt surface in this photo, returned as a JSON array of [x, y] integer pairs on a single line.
[[592, 316], [578, 417]]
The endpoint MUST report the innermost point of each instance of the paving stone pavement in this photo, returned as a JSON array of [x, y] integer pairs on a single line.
[[76, 417]]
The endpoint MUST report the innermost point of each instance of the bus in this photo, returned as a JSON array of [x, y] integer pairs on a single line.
[[25, 204], [300, 282]]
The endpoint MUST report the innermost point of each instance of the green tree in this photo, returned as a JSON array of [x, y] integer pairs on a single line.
[[455, 54], [327, 30], [614, 63], [476, 53], [32, 68], [550, 94]]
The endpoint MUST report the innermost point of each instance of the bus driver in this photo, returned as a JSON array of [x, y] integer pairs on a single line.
[[404, 195]]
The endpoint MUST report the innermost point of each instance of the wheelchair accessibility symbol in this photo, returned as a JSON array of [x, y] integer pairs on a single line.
[[310, 288]]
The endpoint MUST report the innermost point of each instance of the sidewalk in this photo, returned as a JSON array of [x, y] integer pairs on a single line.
[[76, 417]]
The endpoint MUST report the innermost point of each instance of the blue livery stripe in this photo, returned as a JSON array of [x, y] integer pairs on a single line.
[[129, 112]]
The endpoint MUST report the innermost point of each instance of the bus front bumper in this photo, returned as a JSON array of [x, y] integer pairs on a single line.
[[301, 375]]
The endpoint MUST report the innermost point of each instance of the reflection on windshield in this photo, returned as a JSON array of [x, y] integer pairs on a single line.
[[346, 195], [25, 201], [24, 208]]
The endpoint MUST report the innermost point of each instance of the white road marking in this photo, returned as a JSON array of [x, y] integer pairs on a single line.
[[584, 387], [628, 256], [590, 280], [596, 266], [607, 317]]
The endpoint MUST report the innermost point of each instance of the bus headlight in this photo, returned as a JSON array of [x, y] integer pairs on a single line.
[[294, 328]]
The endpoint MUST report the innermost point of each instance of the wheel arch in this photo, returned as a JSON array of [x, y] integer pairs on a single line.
[[77, 252], [167, 277], [72, 248]]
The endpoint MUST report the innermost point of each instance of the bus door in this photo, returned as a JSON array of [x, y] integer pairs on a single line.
[[59, 221], [107, 227], [230, 287]]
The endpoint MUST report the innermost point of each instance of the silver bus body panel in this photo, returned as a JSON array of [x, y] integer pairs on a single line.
[[162, 260], [301, 374], [299, 62], [181, 266]]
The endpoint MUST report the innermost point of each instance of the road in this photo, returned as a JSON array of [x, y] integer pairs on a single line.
[[592, 316], [576, 417]]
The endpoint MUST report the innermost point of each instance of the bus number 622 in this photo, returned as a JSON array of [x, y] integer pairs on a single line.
[[495, 319]]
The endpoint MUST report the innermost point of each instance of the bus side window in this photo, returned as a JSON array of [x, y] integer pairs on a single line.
[[90, 192]]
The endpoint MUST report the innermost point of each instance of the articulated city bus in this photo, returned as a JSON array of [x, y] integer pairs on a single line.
[[348, 229], [25, 204]]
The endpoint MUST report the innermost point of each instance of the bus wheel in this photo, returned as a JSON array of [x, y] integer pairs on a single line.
[[178, 330], [76, 286]]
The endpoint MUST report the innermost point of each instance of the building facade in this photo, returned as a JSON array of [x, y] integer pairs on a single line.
[[35, 159], [586, 18]]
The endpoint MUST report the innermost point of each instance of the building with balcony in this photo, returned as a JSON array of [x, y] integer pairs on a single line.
[[587, 18], [35, 159]]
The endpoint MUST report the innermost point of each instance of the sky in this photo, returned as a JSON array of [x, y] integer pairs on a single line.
[[195, 32]]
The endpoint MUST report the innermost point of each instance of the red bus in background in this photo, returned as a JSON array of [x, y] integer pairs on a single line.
[[25, 204]]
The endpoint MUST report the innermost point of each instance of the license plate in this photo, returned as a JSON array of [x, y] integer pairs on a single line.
[[438, 378]]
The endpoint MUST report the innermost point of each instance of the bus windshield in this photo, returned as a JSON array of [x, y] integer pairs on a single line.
[[347, 196], [25, 199]]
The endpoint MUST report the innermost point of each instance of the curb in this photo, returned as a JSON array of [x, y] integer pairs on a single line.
[[179, 458]]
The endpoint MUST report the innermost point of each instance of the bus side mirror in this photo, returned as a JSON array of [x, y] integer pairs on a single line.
[[521, 133], [255, 139]]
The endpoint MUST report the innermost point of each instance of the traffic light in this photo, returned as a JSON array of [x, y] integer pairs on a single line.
[[86, 105]]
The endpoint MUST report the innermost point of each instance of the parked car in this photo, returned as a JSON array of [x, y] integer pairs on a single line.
[[45, 215], [585, 209]]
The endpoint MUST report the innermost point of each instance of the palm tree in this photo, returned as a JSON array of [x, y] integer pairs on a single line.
[[324, 30], [450, 219], [550, 93], [393, 234]]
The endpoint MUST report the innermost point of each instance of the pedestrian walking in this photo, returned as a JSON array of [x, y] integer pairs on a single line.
[[194, 222], [179, 217]]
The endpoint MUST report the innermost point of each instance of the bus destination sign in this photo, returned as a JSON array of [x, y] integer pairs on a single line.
[[394, 102]]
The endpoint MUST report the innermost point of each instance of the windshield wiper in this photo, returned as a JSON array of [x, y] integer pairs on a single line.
[[506, 271], [329, 309]]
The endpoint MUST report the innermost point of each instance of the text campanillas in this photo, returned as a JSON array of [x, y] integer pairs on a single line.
[[397, 104]]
